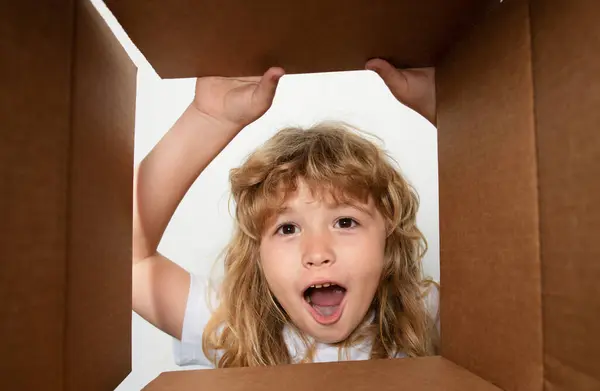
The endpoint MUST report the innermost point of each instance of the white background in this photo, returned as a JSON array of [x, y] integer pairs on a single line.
[[202, 224]]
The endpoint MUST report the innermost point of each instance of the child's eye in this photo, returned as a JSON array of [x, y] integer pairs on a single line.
[[346, 222], [287, 229]]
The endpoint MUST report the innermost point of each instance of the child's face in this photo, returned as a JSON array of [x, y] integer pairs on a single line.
[[315, 242]]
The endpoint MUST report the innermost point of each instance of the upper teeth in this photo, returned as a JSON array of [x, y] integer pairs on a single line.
[[321, 285]]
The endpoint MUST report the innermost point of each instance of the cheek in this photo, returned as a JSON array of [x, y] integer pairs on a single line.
[[277, 266], [367, 257]]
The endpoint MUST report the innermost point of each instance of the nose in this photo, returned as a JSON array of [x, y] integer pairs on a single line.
[[317, 251]]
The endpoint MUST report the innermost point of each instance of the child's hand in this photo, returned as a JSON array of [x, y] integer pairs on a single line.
[[413, 87], [236, 102]]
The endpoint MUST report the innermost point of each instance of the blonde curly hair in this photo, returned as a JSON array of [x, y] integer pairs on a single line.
[[247, 325]]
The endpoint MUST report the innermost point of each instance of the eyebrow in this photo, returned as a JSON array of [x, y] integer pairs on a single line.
[[364, 209], [281, 210]]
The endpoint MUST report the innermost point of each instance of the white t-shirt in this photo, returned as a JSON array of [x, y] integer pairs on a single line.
[[188, 350]]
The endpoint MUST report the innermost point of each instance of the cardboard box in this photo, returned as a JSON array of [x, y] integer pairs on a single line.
[[519, 152]]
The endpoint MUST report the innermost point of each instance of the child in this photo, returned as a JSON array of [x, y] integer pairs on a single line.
[[324, 264]]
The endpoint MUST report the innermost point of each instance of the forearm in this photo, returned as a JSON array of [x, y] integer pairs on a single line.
[[165, 175]]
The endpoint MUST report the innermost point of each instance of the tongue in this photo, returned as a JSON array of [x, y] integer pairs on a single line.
[[330, 296]]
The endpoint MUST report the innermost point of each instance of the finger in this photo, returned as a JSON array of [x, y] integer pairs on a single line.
[[251, 79], [379, 65], [394, 78], [265, 92]]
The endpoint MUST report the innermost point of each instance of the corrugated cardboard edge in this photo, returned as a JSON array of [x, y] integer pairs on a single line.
[[489, 230], [422, 374], [98, 327], [566, 72]]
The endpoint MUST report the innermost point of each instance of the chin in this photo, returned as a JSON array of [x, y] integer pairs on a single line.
[[330, 336]]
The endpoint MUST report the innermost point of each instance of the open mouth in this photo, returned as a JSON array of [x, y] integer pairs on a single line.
[[325, 301]]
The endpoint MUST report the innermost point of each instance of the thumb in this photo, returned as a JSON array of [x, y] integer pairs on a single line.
[[393, 78], [265, 91]]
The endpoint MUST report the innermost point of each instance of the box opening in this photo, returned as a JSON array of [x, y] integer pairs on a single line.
[[518, 158]]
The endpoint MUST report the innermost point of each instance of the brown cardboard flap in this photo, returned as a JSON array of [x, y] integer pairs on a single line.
[[98, 330], [490, 261], [34, 122], [184, 38], [35, 67], [67, 110], [566, 64], [422, 374]]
